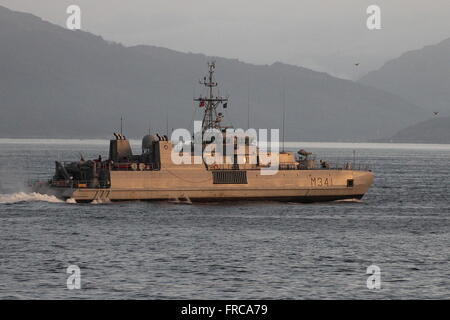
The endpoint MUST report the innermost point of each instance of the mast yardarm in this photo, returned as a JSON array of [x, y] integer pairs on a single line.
[[211, 119]]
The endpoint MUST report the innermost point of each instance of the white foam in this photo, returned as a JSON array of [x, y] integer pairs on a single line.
[[100, 201], [28, 197], [353, 200]]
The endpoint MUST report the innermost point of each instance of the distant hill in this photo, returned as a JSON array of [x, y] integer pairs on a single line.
[[430, 131], [60, 83], [421, 76]]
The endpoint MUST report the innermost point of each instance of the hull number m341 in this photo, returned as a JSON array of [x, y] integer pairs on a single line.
[[321, 182]]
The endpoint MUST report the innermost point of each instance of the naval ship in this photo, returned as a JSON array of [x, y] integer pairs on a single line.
[[153, 175]]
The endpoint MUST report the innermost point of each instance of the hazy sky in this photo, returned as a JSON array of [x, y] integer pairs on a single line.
[[325, 35]]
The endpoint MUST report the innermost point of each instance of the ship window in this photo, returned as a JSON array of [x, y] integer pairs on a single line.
[[350, 183], [229, 177]]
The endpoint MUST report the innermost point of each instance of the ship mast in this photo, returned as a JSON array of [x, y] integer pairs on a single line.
[[211, 119]]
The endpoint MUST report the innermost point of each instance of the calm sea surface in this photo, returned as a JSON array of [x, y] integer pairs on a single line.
[[144, 250]]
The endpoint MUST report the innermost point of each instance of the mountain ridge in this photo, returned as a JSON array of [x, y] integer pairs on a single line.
[[420, 76], [435, 130], [56, 82]]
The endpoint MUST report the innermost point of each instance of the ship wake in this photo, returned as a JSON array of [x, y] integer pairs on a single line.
[[353, 200], [28, 197]]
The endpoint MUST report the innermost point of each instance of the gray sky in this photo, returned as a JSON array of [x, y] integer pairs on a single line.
[[324, 35]]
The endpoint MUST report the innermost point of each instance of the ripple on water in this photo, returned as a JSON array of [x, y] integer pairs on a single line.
[[239, 250]]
